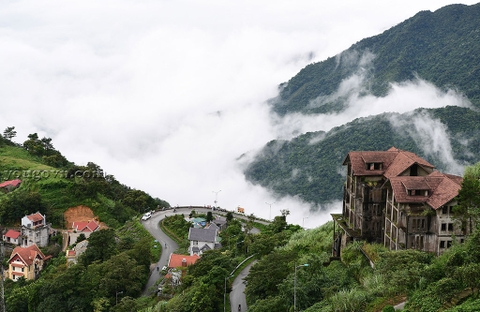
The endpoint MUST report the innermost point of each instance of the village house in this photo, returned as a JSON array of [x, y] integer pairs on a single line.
[[26, 262], [220, 222], [35, 230], [202, 240], [10, 185], [72, 255], [397, 199], [82, 227], [175, 263], [12, 237]]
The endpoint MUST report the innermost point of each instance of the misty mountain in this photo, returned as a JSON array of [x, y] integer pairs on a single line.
[[441, 47]]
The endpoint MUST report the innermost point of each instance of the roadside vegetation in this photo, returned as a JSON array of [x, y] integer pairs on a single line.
[[111, 274]]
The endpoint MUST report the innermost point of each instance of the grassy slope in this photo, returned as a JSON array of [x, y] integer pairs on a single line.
[[58, 193]]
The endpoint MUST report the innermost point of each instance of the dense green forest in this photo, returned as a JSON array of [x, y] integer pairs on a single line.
[[117, 261], [310, 165], [295, 263], [441, 47]]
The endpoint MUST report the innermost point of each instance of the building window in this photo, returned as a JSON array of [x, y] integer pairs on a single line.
[[445, 244], [450, 227], [447, 210], [374, 166], [418, 224], [443, 227], [195, 243]]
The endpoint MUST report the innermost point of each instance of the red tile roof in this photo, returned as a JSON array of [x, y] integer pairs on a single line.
[[12, 234], [35, 217], [84, 226], [13, 183], [394, 161], [441, 188], [176, 261], [27, 254]]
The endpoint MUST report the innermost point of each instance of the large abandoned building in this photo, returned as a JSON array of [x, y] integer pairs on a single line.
[[397, 199]]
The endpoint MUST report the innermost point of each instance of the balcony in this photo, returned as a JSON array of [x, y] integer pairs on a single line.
[[342, 222]]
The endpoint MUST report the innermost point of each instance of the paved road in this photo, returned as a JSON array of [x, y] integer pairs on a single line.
[[165, 242], [168, 244], [237, 296]]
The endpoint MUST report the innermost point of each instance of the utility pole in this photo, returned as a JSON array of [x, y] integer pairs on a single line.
[[216, 196], [2, 291], [270, 204], [303, 223]]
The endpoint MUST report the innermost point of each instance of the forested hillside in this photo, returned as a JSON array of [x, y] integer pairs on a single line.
[[117, 260], [310, 166], [442, 47], [51, 184]]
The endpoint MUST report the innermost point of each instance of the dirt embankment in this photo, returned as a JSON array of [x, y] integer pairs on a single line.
[[80, 214]]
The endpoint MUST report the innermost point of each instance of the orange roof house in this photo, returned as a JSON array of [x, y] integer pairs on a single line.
[[400, 200], [10, 185], [179, 261], [35, 230], [176, 261], [82, 227], [25, 262], [12, 237], [85, 226]]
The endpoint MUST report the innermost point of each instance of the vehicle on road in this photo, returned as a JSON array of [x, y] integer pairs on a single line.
[[147, 216]]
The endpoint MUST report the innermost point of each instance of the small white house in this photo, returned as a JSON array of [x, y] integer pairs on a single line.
[[202, 240], [35, 230], [12, 237]]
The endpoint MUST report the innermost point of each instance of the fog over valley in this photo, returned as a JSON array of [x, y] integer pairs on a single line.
[[171, 97]]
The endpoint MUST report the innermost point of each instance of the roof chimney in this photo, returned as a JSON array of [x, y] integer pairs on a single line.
[[184, 262]]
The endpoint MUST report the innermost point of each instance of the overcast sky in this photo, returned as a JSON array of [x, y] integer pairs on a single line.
[[166, 95]]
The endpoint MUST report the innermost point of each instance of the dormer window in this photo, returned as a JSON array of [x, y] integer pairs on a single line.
[[418, 192], [374, 166]]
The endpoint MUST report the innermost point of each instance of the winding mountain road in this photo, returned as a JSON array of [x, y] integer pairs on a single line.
[[237, 296], [167, 244]]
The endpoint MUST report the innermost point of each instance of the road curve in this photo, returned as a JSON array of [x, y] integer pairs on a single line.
[[165, 242], [169, 246]]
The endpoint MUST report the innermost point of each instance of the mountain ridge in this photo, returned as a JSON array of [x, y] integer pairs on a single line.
[[441, 47]]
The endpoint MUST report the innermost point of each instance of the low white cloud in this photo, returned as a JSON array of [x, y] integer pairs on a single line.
[[168, 95], [431, 135]]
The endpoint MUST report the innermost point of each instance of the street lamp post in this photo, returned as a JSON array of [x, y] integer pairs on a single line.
[[270, 204], [216, 196], [225, 293], [303, 224], [295, 286], [116, 296]]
